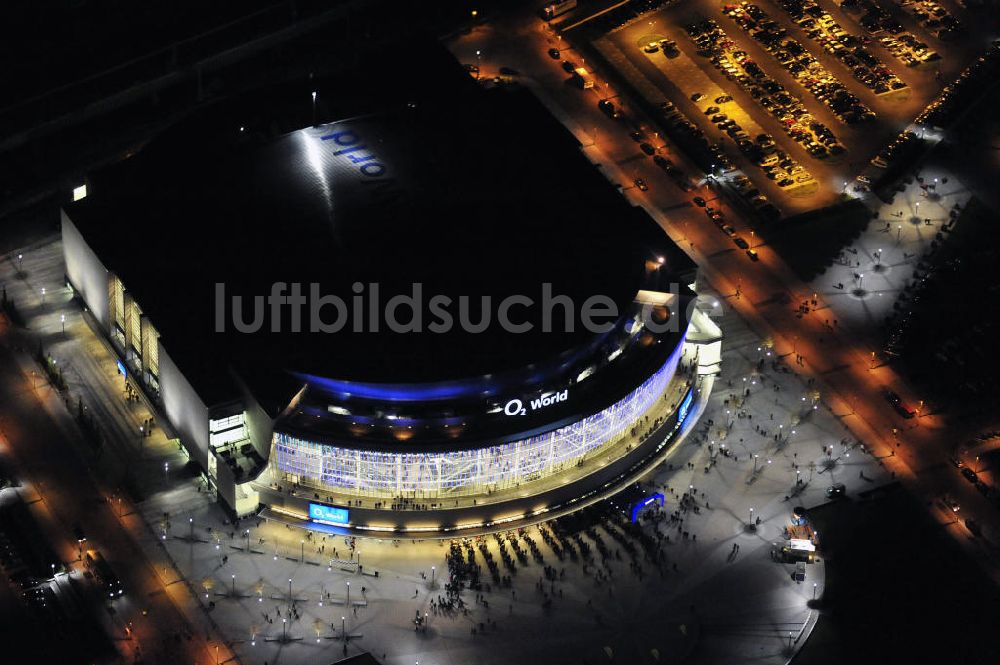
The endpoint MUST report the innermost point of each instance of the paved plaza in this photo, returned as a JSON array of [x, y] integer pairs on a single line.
[[862, 286]]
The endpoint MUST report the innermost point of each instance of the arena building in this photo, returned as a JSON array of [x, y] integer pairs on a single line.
[[421, 310]]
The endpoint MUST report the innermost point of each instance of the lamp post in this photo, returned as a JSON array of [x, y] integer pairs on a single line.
[[19, 257], [302, 553], [234, 584], [814, 591], [314, 108], [434, 569], [43, 295], [348, 604], [751, 517], [289, 591], [62, 320], [899, 231]]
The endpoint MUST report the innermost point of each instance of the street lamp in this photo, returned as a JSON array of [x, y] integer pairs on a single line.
[[234, 584], [434, 569], [751, 516], [43, 295], [289, 591], [19, 257], [899, 230], [348, 604], [314, 108], [62, 320], [302, 554]]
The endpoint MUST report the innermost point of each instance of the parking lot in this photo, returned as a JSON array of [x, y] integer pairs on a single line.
[[817, 90]]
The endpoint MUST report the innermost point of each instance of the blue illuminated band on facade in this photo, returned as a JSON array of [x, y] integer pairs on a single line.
[[645, 503], [324, 514], [466, 472], [682, 410]]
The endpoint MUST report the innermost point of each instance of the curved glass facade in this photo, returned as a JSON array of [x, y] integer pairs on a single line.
[[466, 472]]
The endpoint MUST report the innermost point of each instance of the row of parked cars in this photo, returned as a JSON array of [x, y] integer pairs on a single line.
[[623, 14], [686, 133], [801, 64], [771, 95], [667, 46], [850, 49], [749, 193], [958, 95], [900, 150], [935, 18], [879, 22], [718, 218]]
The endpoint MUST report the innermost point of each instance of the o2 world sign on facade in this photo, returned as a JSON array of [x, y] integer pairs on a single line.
[[516, 407]]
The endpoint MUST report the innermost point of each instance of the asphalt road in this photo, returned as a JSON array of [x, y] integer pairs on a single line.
[[45, 445]]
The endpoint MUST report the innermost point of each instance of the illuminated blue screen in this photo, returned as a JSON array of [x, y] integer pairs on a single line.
[[682, 410], [319, 512]]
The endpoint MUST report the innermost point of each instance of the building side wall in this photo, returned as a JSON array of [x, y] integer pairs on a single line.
[[260, 426], [86, 273], [186, 411]]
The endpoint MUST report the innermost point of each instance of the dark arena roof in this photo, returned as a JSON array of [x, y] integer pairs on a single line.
[[426, 178]]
